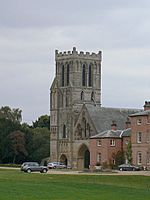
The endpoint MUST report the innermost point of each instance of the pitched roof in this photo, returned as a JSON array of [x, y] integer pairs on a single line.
[[142, 113], [108, 134], [126, 133], [113, 134], [102, 117]]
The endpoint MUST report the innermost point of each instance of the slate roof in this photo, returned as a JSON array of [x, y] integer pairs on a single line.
[[102, 117], [126, 133], [142, 113], [113, 134], [108, 134]]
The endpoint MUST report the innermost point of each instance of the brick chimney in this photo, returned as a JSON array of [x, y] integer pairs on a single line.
[[113, 126], [128, 123], [147, 105]]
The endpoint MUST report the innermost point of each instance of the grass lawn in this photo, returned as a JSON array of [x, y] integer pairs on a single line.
[[16, 185]]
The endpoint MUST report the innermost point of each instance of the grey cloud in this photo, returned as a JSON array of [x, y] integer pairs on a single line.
[[30, 31], [33, 13]]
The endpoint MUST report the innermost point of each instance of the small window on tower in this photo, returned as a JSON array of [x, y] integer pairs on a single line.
[[68, 75], [83, 76], [82, 96], [92, 96], [90, 75], [62, 83], [64, 131]]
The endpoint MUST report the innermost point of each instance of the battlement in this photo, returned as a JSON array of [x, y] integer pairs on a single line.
[[75, 53]]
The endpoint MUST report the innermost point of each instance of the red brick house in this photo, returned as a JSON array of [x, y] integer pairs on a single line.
[[105, 146], [140, 137]]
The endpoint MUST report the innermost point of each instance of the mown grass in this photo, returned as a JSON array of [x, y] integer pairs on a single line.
[[16, 185]]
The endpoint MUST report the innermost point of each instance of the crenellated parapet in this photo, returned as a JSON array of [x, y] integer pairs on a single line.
[[76, 54]]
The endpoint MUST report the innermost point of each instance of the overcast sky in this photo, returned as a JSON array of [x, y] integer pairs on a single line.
[[31, 30]]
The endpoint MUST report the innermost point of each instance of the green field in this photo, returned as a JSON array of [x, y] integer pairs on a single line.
[[16, 185]]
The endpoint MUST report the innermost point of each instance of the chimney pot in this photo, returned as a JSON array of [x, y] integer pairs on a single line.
[[147, 105]]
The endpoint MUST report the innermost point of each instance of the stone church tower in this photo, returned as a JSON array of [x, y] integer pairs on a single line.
[[77, 82]]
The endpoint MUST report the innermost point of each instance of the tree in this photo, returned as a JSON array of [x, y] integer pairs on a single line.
[[11, 114], [119, 158], [129, 152], [21, 142], [6, 127], [42, 121], [17, 145], [40, 144]]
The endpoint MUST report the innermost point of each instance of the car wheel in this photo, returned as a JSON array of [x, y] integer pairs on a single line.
[[28, 170], [121, 169], [44, 171]]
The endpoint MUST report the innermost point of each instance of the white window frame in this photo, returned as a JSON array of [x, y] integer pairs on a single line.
[[139, 121], [112, 143], [139, 137], [139, 158], [99, 157], [99, 143]]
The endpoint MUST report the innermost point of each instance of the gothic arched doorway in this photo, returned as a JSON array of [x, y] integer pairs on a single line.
[[63, 159], [83, 157]]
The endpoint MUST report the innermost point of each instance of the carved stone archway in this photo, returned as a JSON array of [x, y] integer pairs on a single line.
[[63, 159], [83, 158]]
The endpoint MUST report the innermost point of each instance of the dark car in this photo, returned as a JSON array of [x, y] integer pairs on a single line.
[[128, 167], [54, 165], [33, 167]]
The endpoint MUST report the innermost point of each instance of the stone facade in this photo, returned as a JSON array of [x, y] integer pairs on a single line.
[[77, 81], [76, 111]]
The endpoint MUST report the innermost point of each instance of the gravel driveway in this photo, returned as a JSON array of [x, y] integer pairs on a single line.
[[142, 173]]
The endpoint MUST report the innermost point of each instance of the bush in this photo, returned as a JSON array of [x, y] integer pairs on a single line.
[[10, 165]]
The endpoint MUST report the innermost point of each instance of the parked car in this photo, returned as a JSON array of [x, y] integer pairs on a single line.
[[54, 165], [128, 167], [33, 167], [24, 164]]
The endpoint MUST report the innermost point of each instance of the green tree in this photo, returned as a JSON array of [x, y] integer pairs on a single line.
[[40, 144], [17, 145], [21, 142], [129, 152], [42, 121], [11, 114], [6, 127], [119, 158]]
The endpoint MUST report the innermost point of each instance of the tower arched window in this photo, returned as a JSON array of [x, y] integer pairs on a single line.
[[67, 98], [63, 75], [92, 96], [90, 76], [88, 130], [82, 96], [64, 131], [60, 99], [85, 133], [68, 75], [83, 75], [84, 127], [79, 131]]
